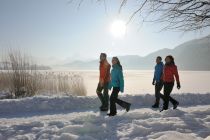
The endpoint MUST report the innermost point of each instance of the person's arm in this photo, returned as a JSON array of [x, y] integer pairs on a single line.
[[107, 71], [158, 74], [110, 85], [101, 77], [121, 78], [153, 81], [104, 73], [176, 74], [161, 73]]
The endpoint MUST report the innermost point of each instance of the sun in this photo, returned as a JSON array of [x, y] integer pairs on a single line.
[[118, 28]]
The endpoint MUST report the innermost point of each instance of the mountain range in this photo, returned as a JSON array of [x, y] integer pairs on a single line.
[[191, 55]]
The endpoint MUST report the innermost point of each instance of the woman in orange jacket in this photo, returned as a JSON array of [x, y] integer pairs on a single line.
[[169, 72]]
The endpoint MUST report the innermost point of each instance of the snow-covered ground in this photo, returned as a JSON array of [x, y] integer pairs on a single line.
[[69, 118]]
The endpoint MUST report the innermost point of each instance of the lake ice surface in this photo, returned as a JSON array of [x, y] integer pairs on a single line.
[[140, 81]]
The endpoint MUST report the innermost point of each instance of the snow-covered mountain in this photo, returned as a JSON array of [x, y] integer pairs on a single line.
[[192, 55]]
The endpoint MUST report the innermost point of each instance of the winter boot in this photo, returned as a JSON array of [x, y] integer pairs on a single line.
[[111, 114], [156, 105], [175, 105], [128, 107], [164, 108]]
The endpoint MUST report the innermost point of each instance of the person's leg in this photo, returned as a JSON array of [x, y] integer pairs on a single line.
[[166, 96], [113, 98], [100, 95], [106, 95], [162, 97], [123, 104], [172, 100], [156, 104], [158, 88], [168, 87]]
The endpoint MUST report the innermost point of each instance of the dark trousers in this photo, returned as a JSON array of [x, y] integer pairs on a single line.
[[158, 88], [114, 99], [168, 87], [104, 98]]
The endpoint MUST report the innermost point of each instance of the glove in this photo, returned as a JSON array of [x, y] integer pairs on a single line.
[[178, 86], [153, 82]]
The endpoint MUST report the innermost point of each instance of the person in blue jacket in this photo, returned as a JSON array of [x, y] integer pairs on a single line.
[[117, 85], [158, 81]]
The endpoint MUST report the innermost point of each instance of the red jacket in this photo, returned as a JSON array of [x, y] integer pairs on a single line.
[[169, 72], [104, 71]]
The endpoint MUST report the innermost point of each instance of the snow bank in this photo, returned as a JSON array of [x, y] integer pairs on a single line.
[[43, 104], [138, 124], [174, 136], [78, 118]]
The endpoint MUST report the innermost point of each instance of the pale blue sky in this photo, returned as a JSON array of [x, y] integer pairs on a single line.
[[54, 29]]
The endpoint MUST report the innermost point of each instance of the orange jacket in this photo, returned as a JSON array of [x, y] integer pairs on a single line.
[[104, 71]]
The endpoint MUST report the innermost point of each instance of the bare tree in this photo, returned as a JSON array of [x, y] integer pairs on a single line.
[[183, 15]]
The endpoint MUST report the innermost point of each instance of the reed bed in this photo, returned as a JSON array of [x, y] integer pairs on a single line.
[[19, 76]]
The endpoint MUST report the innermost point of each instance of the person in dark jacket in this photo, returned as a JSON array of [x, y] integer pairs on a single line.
[[117, 83], [169, 72], [157, 80], [103, 84]]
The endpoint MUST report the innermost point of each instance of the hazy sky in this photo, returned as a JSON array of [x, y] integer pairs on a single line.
[[56, 29]]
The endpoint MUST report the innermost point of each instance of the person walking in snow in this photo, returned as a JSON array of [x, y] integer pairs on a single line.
[[117, 85], [103, 84], [157, 80], [169, 71]]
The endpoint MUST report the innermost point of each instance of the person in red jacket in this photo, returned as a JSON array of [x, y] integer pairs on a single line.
[[103, 84], [169, 72]]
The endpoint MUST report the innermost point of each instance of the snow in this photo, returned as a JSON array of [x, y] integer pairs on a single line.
[[78, 118], [140, 81], [5, 95]]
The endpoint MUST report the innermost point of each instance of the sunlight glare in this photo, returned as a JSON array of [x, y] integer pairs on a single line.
[[118, 29]]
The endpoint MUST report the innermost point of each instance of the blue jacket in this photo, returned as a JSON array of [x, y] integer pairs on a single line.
[[158, 72], [117, 79]]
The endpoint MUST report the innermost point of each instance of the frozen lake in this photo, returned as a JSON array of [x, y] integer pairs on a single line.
[[140, 82]]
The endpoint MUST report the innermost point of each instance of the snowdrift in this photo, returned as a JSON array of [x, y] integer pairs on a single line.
[[78, 118], [44, 104]]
